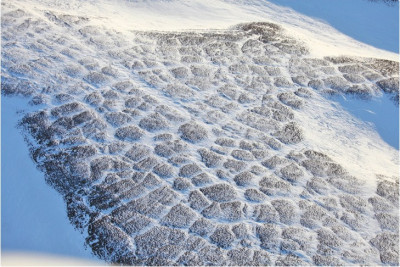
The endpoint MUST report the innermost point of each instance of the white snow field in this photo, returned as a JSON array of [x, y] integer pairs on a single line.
[[204, 132], [374, 23]]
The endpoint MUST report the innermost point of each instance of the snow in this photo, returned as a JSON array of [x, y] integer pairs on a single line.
[[40, 259], [381, 112], [374, 23], [346, 132], [323, 39], [33, 214], [342, 129]]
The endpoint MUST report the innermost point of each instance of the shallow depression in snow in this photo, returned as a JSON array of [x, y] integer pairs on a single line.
[[380, 112]]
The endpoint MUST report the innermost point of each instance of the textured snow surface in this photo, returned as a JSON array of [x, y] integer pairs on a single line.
[[204, 147], [184, 15]]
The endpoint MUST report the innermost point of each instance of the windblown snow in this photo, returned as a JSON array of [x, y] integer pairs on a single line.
[[208, 139]]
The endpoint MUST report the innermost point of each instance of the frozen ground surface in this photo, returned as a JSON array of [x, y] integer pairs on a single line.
[[321, 38], [175, 135]]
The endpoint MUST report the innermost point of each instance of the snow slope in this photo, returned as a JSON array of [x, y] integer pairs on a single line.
[[322, 39], [209, 146], [33, 217], [370, 22], [379, 112]]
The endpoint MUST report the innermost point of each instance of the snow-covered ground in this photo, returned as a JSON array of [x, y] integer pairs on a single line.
[[327, 29], [33, 217], [340, 131]]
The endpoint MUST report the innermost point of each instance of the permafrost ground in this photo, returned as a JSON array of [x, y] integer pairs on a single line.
[[183, 148]]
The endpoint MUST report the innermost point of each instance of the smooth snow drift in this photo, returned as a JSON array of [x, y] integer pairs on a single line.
[[33, 217]]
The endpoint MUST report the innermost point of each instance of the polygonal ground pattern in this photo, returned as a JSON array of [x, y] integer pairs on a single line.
[[168, 147]]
